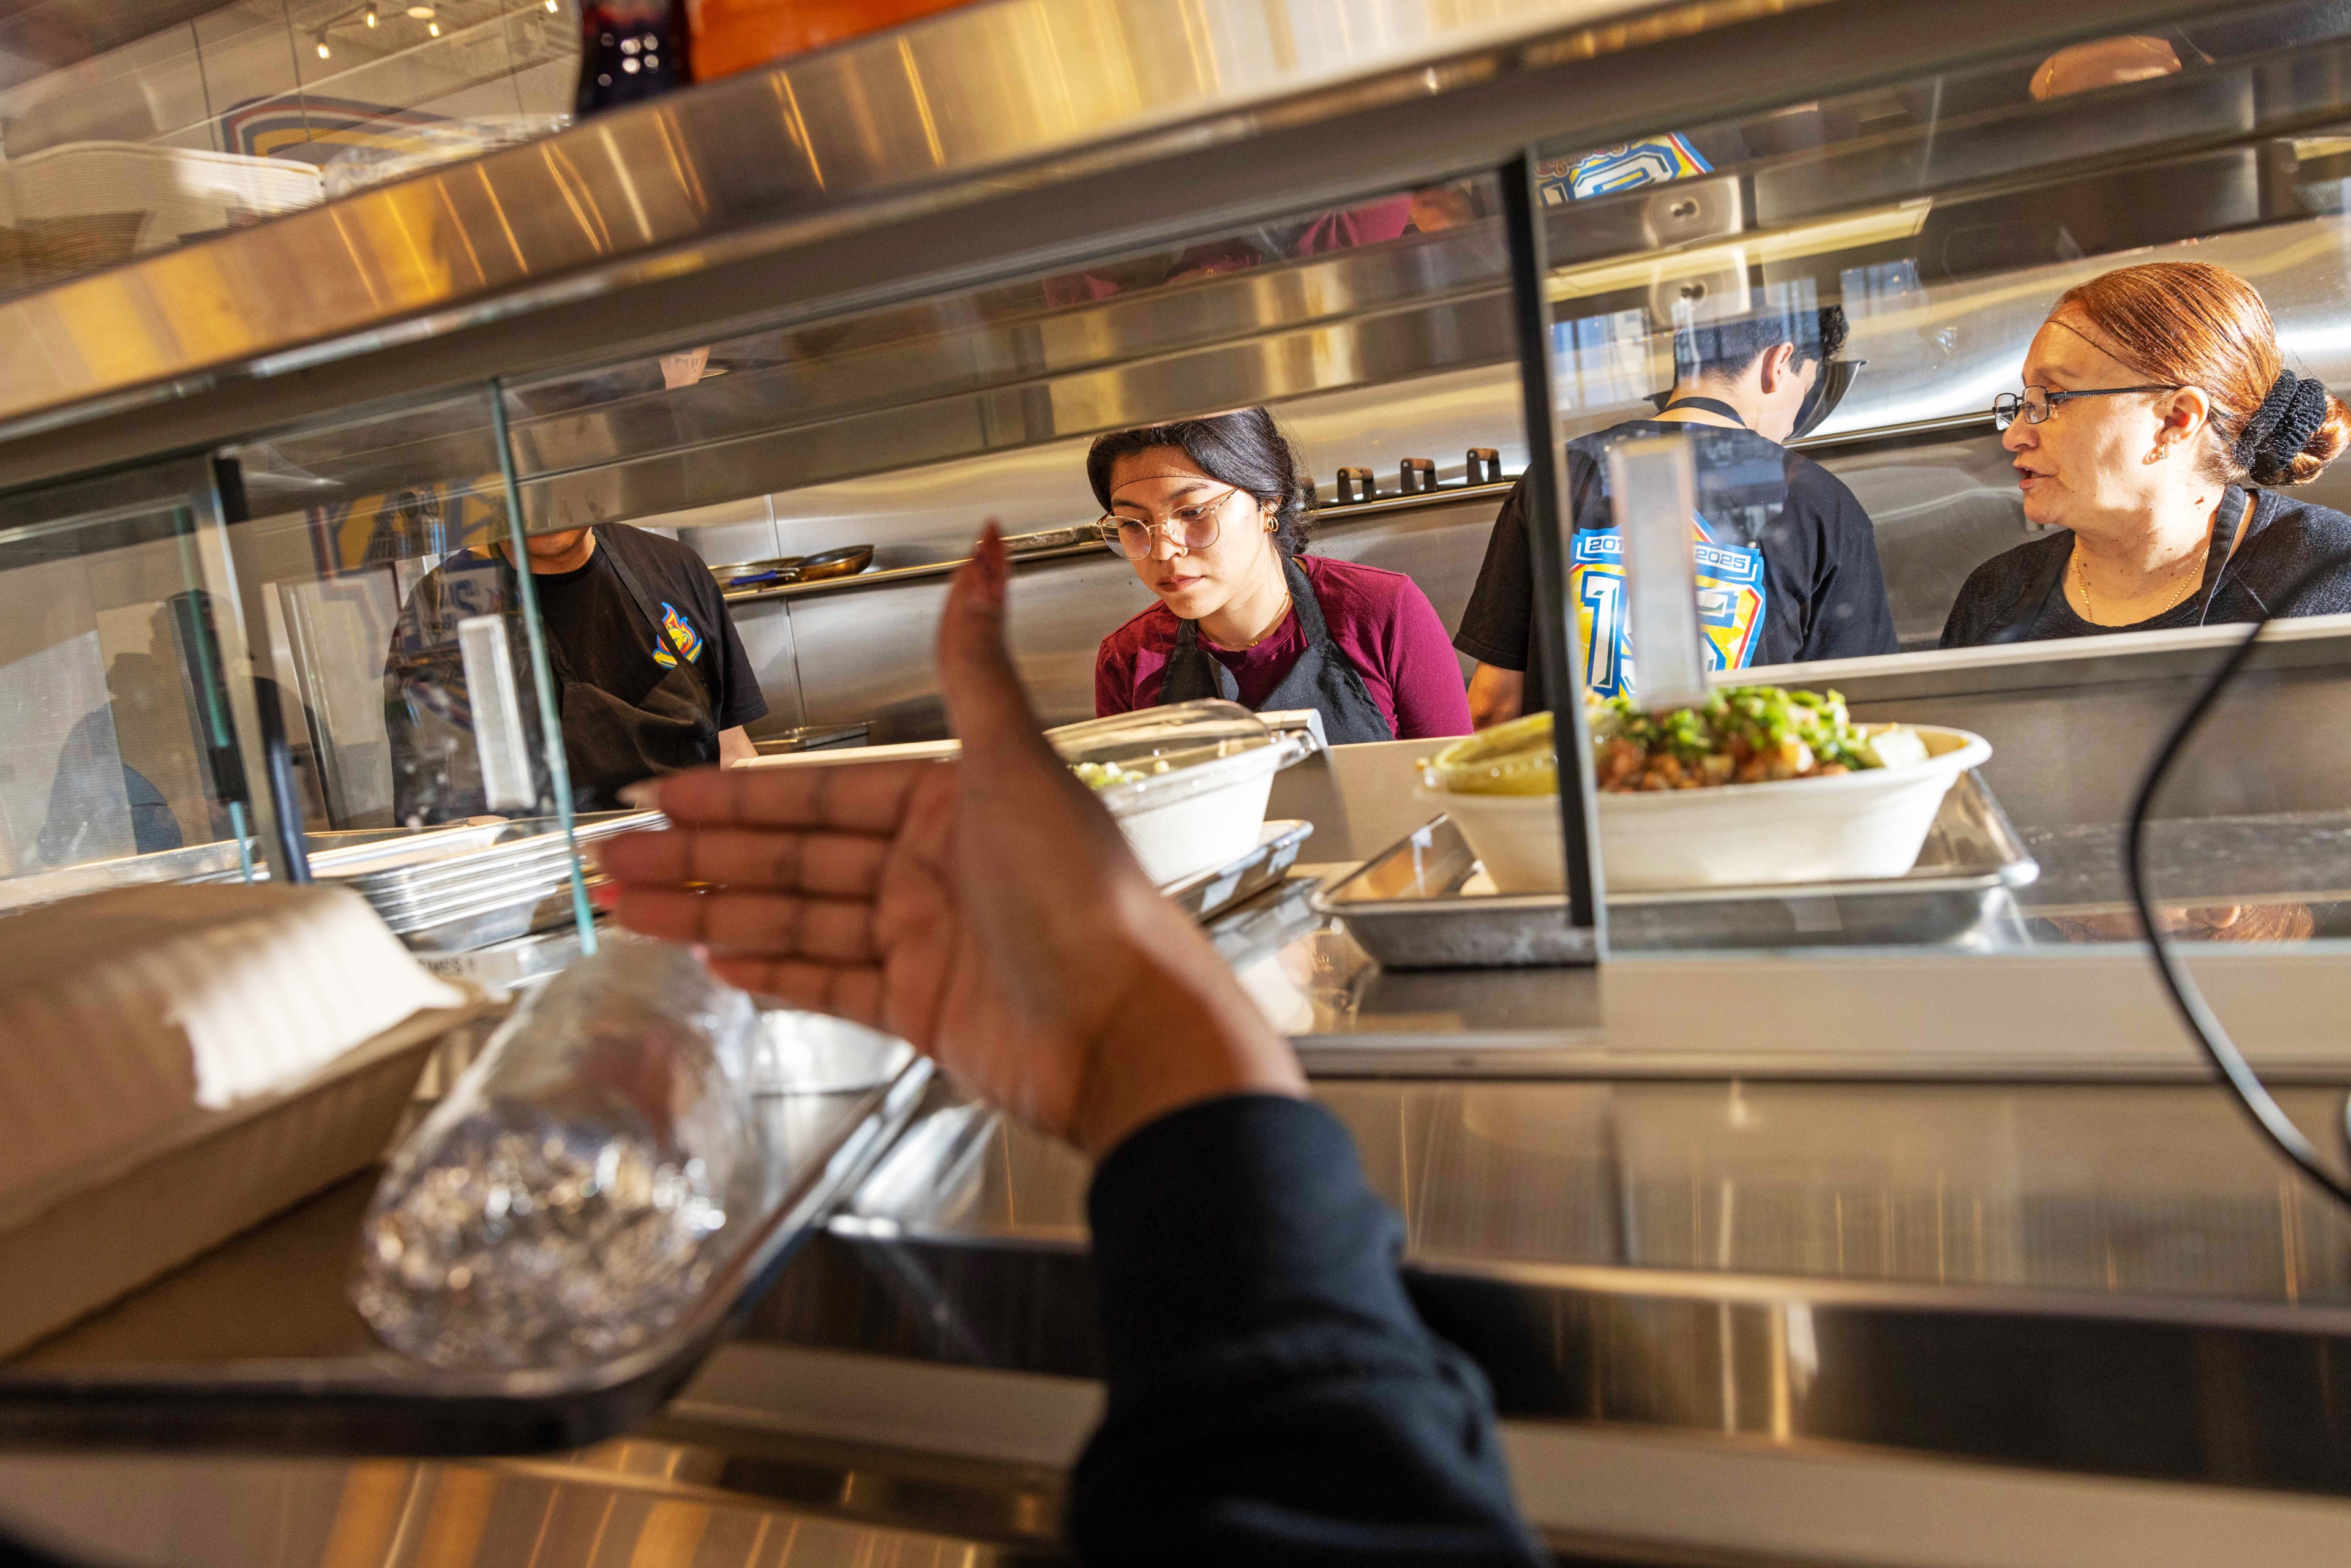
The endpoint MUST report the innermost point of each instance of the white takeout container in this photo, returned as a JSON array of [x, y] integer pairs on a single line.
[[1206, 809], [1204, 813], [1848, 827]]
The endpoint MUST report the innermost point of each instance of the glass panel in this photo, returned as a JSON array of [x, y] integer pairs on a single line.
[[1855, 281], [135, 129], [1377, 334], [373, 564], [120, 763]]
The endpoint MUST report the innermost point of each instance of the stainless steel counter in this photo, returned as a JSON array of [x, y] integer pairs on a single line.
[[2109, 1280]]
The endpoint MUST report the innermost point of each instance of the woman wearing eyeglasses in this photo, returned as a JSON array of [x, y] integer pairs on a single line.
[[1213, 516], [2156, 424]]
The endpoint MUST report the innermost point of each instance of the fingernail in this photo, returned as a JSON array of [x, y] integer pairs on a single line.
[[987, 552]]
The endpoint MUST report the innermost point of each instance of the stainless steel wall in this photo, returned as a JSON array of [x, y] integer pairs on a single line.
[[863, 655]]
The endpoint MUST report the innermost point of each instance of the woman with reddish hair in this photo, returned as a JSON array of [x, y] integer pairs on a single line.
[[2156, 427]]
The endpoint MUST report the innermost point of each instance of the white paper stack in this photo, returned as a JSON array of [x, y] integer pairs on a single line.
[[179, 1063]]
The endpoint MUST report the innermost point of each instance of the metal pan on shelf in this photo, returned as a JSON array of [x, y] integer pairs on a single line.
[[512, 848], [826, 565], [1417, 907], [758, 573]]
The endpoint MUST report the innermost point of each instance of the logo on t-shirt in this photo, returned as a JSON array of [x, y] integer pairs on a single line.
[[1730, 598], [1623, 167], [680, 633]]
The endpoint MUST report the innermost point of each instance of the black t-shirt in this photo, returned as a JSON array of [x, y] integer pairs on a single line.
[[590, 615], [602, 636], [1787, 564], [2295, 560]]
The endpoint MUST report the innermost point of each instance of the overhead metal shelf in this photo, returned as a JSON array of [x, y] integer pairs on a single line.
[[981, 144]]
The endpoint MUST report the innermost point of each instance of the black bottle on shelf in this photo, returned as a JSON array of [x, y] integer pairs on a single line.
[[630, 50]]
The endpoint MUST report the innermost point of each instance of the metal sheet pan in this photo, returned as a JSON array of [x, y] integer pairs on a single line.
[[1407, 908], [1213, 892], [523, 845], [187, 1362]]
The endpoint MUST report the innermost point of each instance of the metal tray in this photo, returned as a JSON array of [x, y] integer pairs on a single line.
[[533, 847], [1213, 892], [1406, 907], [472, 929], [255, 1346], [502, 967]]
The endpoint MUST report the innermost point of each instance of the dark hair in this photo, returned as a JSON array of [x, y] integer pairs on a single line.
[[1728, 348], [1244, 449]]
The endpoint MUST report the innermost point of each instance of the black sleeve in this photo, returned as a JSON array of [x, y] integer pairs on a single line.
[[19, 1553], [1851, 617], [1963, 627], [1501, 613], [1274, 1397], [740, 701], [1992, 592]]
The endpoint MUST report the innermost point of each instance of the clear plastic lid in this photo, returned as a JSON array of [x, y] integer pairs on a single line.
[[1161, 753], [1518, 757]]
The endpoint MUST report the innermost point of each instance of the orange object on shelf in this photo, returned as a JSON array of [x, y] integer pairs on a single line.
[[731, 36]]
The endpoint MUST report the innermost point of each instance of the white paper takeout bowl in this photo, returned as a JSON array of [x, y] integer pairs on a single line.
[[1207, 810], [1850, 827]]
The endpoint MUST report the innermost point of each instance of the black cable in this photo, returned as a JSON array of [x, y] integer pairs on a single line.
[[2268, 1117]]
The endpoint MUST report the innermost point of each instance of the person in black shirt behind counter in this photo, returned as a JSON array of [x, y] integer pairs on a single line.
[[1787, 561], [651, 675], [1273, 1398], [2156, 423]]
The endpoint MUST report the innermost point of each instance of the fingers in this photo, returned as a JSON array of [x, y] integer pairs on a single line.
[[849, 991], [985, 705], [774, 926], [849, 797], [830, 864]]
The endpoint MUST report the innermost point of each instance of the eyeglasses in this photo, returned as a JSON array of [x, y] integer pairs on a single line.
[[1192, 527], [2036, 404]]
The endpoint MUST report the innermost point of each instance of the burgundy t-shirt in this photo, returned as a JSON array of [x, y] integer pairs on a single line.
[[1380, 620]]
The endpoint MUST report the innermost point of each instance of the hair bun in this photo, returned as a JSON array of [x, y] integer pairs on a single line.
[[2295, 410]]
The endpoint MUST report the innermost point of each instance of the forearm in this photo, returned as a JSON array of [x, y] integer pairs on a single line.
[[1274, 1397], [1496, 695], [736, 745]]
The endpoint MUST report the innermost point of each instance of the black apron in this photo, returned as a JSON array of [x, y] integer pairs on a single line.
[[1322, 678], [611, 744], [2017, 625]]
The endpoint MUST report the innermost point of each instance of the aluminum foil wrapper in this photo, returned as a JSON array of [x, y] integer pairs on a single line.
[[582, 1182]]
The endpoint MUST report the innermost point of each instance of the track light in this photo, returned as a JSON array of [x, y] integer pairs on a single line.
[[324, 53], [434, 28]]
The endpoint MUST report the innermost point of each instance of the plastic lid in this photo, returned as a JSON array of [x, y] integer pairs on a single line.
[[1514, 758], [1152, 756], [1196, 731]]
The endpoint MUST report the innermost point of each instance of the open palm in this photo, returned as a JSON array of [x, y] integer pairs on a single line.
[[985, 909]]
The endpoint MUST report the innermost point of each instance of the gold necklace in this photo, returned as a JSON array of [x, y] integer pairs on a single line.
[[1278, 621], [2187, 586]]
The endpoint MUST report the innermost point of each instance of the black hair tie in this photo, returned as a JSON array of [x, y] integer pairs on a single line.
[[2278, 431]]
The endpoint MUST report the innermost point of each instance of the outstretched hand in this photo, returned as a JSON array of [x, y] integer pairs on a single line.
[[987, 908]]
